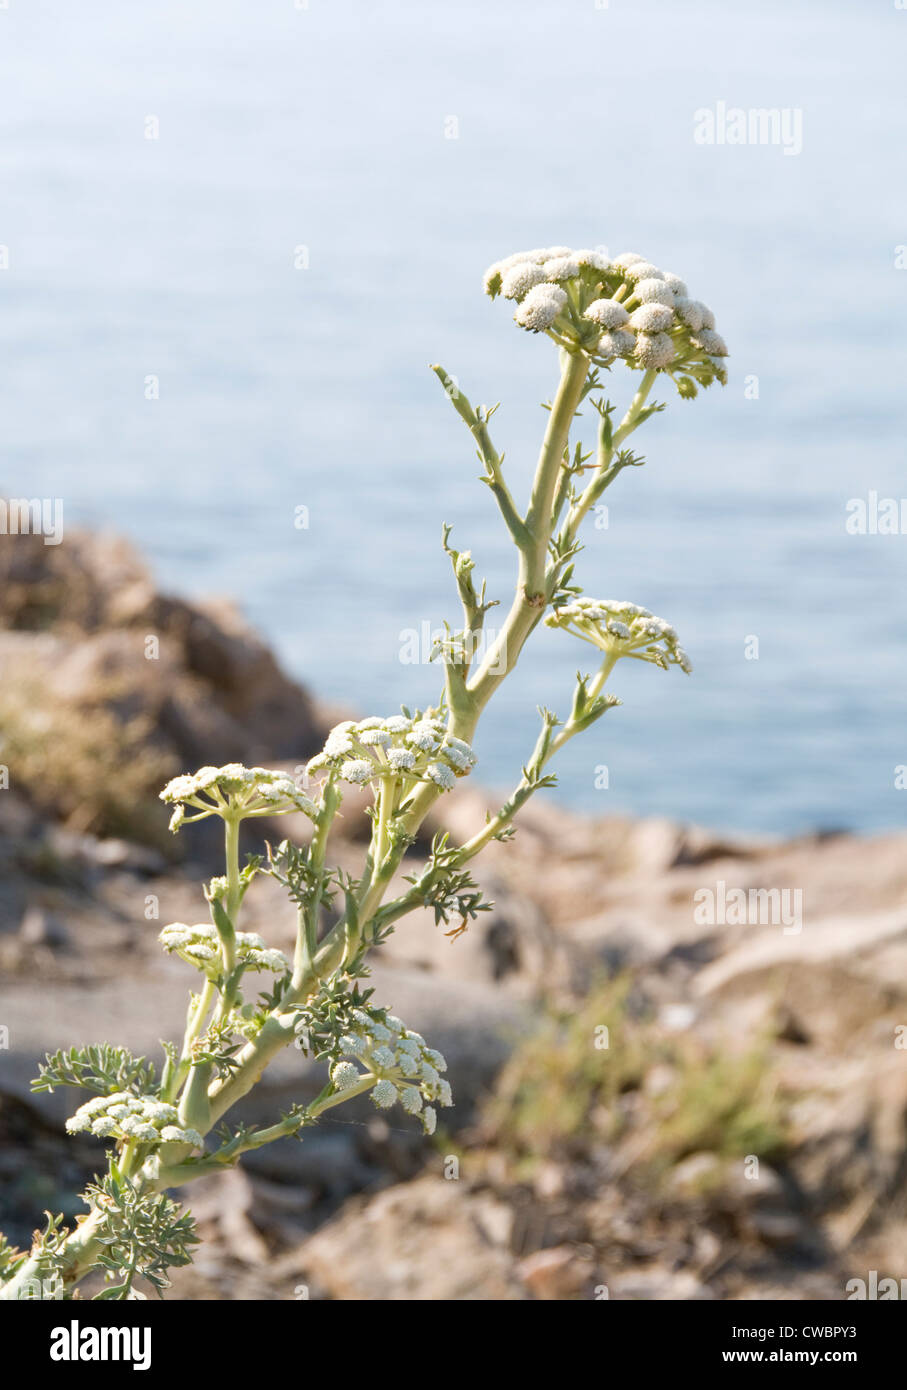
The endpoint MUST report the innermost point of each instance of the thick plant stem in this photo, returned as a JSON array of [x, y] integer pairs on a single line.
[[231, 855], [385, 809], [274, 1035], [308, 915], [77, 1255], [225, 921], [194, 1108], [530, 600], [194, 1024]]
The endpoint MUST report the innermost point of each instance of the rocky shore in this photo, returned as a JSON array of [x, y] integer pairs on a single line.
[[743, 1134]]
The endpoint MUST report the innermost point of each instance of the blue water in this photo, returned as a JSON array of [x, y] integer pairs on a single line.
[[282, 388]]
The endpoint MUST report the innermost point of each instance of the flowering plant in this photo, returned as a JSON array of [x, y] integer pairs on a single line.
[[168, 1126]]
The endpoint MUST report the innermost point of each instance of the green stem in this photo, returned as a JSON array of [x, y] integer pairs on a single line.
[[194, 1106], [574, 370], [386, 794], [530, 600], [197, 1017], [80, 1251], [308, 915], [477, 424], [231, 856], [605, 454], [178, 1174], [593, 690], [226, 929], [521, 794]]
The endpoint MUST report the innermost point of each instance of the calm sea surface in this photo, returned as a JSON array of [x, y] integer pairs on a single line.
[[282, 388]]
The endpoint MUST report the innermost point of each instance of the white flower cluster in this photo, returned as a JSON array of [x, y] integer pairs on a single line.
[[127, 1116], [199, 945], [622, 629], [408, 1070], [414, 750], [626, 308], [253, 791]]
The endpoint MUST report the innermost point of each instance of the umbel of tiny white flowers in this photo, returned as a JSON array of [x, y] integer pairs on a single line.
[[402, 748], [125, 1116], [234, 791], [199, 945], [621, 629], [623, 309], [408, 1071]]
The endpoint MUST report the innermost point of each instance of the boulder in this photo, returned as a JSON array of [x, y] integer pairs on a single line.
[[95, 659], [423, 1241]]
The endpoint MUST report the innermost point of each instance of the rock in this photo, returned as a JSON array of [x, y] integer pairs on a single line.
[[821, 941], [677, 1018], [618, 941], [115, 671], [91, 852], [327, 1163], [656, 846], [419, 1242], [73, 586], [775, 1226], [494, 1218], [657, 1283], [226, 1203], [848, 1128], [462, 812], [550, 1180], [696, 1175], [40, 928], [511, 945], [557, 1273]]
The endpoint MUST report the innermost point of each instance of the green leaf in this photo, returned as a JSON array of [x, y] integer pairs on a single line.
[[99, 1067]]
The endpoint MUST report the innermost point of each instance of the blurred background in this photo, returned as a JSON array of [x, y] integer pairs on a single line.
[[319, 137], [233, 236]]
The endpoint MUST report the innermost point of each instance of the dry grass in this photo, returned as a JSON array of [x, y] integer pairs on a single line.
[[83, 766], [666, 1094]]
